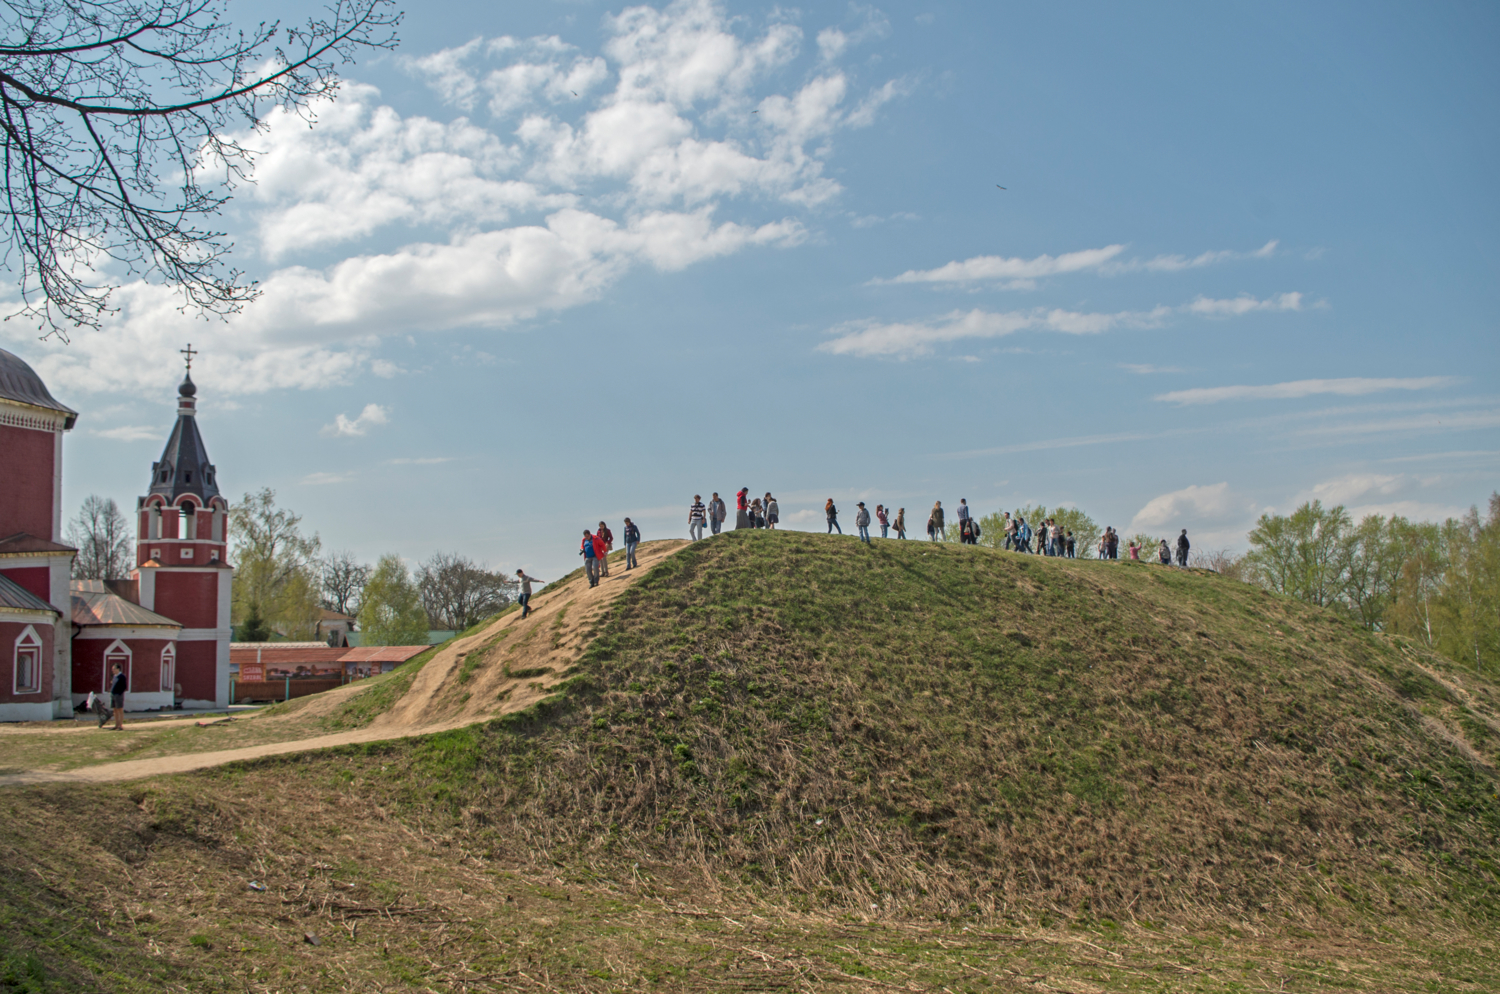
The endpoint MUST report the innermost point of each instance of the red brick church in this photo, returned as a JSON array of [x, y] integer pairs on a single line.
[[167, 624]]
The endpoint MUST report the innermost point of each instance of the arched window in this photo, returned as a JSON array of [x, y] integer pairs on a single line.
[[118, 652], [168, 668], [188, 514], [28, 663]]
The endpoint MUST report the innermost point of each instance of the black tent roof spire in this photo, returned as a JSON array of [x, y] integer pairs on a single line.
[[184, 467]]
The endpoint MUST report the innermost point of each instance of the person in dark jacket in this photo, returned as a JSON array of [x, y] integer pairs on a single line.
[[117, 687], [832, 513], [608, 538], [590, 558], [1183, 545], [632, 539]]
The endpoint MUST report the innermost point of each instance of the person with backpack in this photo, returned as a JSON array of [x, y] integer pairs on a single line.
[[632, 539], [883, 515], [608, 538], [936, 520], [773, 512], [862, 522], [717, 512], [525, 599], [832, 513], [1164, 553], [697, 514], [1183, 545], [1023, 533], [901, 524], [590, 558], [117, 688]]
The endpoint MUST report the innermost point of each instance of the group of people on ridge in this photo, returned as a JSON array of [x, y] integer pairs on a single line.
[[749, 512]]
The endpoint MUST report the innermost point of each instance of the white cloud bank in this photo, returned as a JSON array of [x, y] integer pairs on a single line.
[[537, 212], [1347, 387]]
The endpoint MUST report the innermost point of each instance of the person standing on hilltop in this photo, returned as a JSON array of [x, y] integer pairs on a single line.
[[717, 512], [1183, 545], [832, 514], [1008, 527], [1072, 546], [765, 507], [901, 523], [757, 514], [1164, 553], [963, 515], [608, 538], [742, 508], [862, 522], [632, 539], [937, 521], [590, 558], [697, 514], [883, 515], [773, 512], [525, 599]]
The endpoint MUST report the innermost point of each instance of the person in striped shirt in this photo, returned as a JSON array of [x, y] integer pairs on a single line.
[[697, 517]]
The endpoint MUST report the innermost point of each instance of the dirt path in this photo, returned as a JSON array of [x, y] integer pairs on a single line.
[[506, 668]]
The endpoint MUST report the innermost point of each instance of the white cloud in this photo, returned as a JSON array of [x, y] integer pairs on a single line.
[[424, 461], [1021, 272], [131, 433], [1146, 368], [1347, 386], [1244, 304], [1214, 506], [831, 43], [322, 479], [1177, 263], [1413, 510], [917, 338], [372, 415], [1353, 486]]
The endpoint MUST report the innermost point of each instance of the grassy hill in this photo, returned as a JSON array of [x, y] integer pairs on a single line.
[[902, 748]]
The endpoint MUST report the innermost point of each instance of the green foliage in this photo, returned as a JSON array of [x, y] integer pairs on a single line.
[[391, 611], [1085, 532], [254, 627], [1448, 591], [276, 566]]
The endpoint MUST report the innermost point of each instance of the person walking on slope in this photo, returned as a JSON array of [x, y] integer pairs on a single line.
[[773, 512], [632, 539], [937, 521], [883, 515], [608, 538], [901, 523], [742, 508], [525, 599], [1183, 545], [717, 512], [697, 514], [117, 687], [832, 514], [590, 558], [862, 522]]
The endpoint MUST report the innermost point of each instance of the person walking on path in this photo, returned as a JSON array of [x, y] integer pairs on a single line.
[[832, 514], [608, 538], [937, 521], [717, 512], [590, 558], [632, 539], [697, 514], [1183, 545], [1010, 533], [773, 512], [742, 508], [901, 523], [862, 522], [883, 515], [117, 687], [525, 599]]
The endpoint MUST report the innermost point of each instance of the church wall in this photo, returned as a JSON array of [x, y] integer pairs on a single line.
[[26, 707], [26, 488], [143, 671], [198, 672], [33, 579], [191, 599]]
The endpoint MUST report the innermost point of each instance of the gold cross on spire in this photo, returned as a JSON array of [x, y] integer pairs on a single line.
[[189, 352]]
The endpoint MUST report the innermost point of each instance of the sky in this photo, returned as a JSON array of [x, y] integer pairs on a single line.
[[554, 262]]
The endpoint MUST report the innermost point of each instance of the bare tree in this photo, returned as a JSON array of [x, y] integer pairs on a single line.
[[115, 119], [457, 592], [344, 579], [103, 539]]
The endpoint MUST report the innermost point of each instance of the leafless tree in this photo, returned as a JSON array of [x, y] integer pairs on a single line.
[[457, 592], [344, 579], [117, 121], [102, 536]]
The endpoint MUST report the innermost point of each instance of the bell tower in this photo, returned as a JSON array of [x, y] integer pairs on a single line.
[[182, 536]]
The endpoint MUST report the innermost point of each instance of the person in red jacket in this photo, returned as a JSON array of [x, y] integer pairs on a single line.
[[609, 546], [601, 553]]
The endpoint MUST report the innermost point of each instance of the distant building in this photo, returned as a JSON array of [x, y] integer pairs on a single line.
[[168, 625], [334, 628]]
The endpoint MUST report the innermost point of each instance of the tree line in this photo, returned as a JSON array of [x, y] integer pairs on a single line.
[[284, 580]]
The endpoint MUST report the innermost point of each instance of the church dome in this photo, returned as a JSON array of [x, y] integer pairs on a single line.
[[19, 383]]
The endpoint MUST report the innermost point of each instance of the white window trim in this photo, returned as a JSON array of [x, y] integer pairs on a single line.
[[118, 646], [169, 668], [28, 639]]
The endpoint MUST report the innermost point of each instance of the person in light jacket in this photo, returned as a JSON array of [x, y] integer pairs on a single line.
[[862, 522], [773, 512], [901, 523], [717, 512], [937, 521]]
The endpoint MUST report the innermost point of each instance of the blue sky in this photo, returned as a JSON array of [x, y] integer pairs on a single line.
[[1246, 256]]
